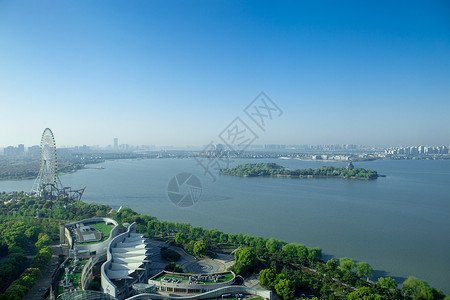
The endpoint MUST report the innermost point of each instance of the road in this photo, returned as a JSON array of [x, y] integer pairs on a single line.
[[40, 290]]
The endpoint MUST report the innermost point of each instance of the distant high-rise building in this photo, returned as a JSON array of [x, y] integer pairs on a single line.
[[21, 149], [10, 151], [116, 144], [34, 151], [421, 149], [14, 151]]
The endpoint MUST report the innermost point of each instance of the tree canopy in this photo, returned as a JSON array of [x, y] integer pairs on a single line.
[[364, 269], [387, 282], [363, 293], [416, 288], [267, 278], [285, 288], [346, 264], [246, 261]]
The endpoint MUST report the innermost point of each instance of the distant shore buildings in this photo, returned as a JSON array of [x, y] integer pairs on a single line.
[[338, 152], [417, 150]]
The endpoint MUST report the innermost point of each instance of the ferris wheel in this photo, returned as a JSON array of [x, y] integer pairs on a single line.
[[47, 184], [49, 162], [47, 180]]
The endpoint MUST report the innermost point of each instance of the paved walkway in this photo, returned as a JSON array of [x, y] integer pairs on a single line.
[[188, 262], [43, 285], [192, 265], [157, 262], [205, 266], [253, 282]]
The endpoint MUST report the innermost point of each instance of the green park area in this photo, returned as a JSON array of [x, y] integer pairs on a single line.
[[96, 242], [102, 227]]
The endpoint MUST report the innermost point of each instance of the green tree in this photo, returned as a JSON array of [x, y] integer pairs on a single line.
[[200, 248], [437, 294], [290, 249], [267, 278], [346, 264], [332, 264], [363, 293], [364, 269], [42, 258], [180, 238], [416, 288], [17, 250], [15, 291], [246, 256], [285, 289], [273, 245], [387, 282], [43, 241], [296, 250], [16, 238], [246, 261], [314, 254], [30, 277], [172, 267], [33, 232]]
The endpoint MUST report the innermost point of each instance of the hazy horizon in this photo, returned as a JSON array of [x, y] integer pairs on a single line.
[[178, 73]]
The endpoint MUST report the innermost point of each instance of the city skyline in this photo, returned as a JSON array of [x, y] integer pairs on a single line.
[[395, 149], [178, 73]]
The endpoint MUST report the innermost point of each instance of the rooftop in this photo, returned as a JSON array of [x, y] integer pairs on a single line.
[[187, 279], [127, 257]]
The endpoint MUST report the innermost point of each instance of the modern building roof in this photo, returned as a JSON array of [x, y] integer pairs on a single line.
[[127, 257]]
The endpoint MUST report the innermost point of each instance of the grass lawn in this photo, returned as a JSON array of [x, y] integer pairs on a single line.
[[102, 227], [96, 242]]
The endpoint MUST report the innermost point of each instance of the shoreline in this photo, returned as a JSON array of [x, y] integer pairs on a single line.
[[59, 174]]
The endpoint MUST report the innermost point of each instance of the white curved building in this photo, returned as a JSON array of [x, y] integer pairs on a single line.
[[126, 263]]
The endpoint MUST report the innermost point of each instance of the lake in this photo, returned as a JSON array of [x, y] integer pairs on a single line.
[[399, 224]]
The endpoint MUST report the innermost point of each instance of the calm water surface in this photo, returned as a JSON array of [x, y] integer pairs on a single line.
[[399, 224]]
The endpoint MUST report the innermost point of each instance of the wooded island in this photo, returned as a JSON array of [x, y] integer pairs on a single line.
[[273, 169]]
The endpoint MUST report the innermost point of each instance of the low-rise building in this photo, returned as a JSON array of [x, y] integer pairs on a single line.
[[89, 241], [180, 283]]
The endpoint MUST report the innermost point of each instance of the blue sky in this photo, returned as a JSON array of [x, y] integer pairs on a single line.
[[178, 72]]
